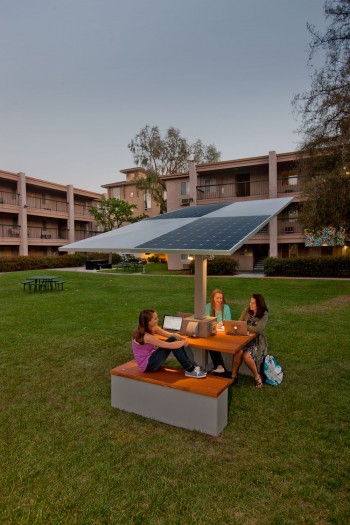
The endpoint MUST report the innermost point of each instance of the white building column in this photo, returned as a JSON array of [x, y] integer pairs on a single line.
[[273, 195], [70, 198], [22, 216]]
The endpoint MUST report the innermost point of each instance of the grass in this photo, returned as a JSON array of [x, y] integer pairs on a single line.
[[68, 458]]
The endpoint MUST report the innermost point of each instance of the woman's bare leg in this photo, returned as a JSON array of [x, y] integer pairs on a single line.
[[236, 363], [249, 361]]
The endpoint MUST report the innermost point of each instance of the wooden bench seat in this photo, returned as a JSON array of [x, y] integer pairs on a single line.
[[30, 284], [169, 396], [58, 284]]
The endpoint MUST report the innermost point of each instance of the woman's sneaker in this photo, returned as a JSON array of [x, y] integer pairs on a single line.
[[197, 373]]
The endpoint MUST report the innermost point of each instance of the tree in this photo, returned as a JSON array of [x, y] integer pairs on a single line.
[[155, 186], [325, 111], [166, 156], [112, 213]]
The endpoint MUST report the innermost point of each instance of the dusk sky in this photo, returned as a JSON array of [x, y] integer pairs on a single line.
[[80, 78]]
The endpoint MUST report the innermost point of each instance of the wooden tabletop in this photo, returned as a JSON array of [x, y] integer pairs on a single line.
[[221, 342]]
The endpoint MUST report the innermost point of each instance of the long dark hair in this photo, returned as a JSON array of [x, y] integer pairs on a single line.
[[261, 307], [143, 327], [212, 304]]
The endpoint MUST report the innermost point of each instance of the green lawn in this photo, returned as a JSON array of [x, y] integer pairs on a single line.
[[68, 458]]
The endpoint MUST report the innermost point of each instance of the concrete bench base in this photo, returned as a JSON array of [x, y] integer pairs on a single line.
[[169, 396]]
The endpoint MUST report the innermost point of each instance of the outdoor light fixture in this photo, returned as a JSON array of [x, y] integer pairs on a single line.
[[190, 257]]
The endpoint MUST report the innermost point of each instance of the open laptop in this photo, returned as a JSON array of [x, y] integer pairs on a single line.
[[172, 323], [236, 327]]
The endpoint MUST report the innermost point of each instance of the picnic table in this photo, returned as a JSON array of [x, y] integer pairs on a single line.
[[42, 282], [220, 342], [97, 264], [130, 263]]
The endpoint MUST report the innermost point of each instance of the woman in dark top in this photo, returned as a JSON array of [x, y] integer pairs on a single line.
[[257, 316]]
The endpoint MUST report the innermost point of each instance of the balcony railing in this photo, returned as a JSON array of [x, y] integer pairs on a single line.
[[236, 190], [7, 197], [47, 204], [289, 227], [82, 209], [8, 230], [264, 230], [38, 232], [242, 190], [288, 184], [80, 235]]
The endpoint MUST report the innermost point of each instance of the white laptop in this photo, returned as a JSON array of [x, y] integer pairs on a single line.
[[172, 323], [236, 327]]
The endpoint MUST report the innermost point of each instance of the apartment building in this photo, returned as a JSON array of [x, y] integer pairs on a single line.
[[127, 191], [37, 216], [264, 177]]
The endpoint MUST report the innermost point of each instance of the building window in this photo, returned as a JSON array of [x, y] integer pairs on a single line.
[[147, 200], [116, 193], [131, 195], [185, 188]]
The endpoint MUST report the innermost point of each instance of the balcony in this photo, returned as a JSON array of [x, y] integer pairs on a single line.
[[288, 184], [234, 190], [9, 230], [38, 232], [247, 189], [9, 198], [82, 209], [264, 230], [289, 227], [80, 235], [47, 205]]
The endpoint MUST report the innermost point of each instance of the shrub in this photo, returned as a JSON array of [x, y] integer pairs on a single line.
[[219, 266], [26, 262], [308, 266]]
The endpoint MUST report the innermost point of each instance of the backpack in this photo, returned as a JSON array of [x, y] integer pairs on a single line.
[[272, 372]]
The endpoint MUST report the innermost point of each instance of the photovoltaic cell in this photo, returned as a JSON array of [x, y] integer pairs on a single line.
[[216, 233], [190, 212]]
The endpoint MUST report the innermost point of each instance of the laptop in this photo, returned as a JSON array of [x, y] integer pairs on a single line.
[[236, 327], [172, 323]]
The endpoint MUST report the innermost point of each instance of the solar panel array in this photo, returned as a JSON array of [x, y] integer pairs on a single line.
[[190, 212], [201, 230], [216, 233]]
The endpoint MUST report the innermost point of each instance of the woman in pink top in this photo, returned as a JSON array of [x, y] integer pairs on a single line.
[[151, 352]]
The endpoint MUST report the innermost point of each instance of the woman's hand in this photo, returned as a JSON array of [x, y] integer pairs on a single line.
[[181, 338]]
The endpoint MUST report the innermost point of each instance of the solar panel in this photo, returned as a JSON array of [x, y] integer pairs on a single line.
[[205, 229], [191, 211], [214, 234]]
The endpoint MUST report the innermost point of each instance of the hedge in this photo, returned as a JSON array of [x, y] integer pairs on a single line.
[[219, 266], [308, 266], [25, 262]]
